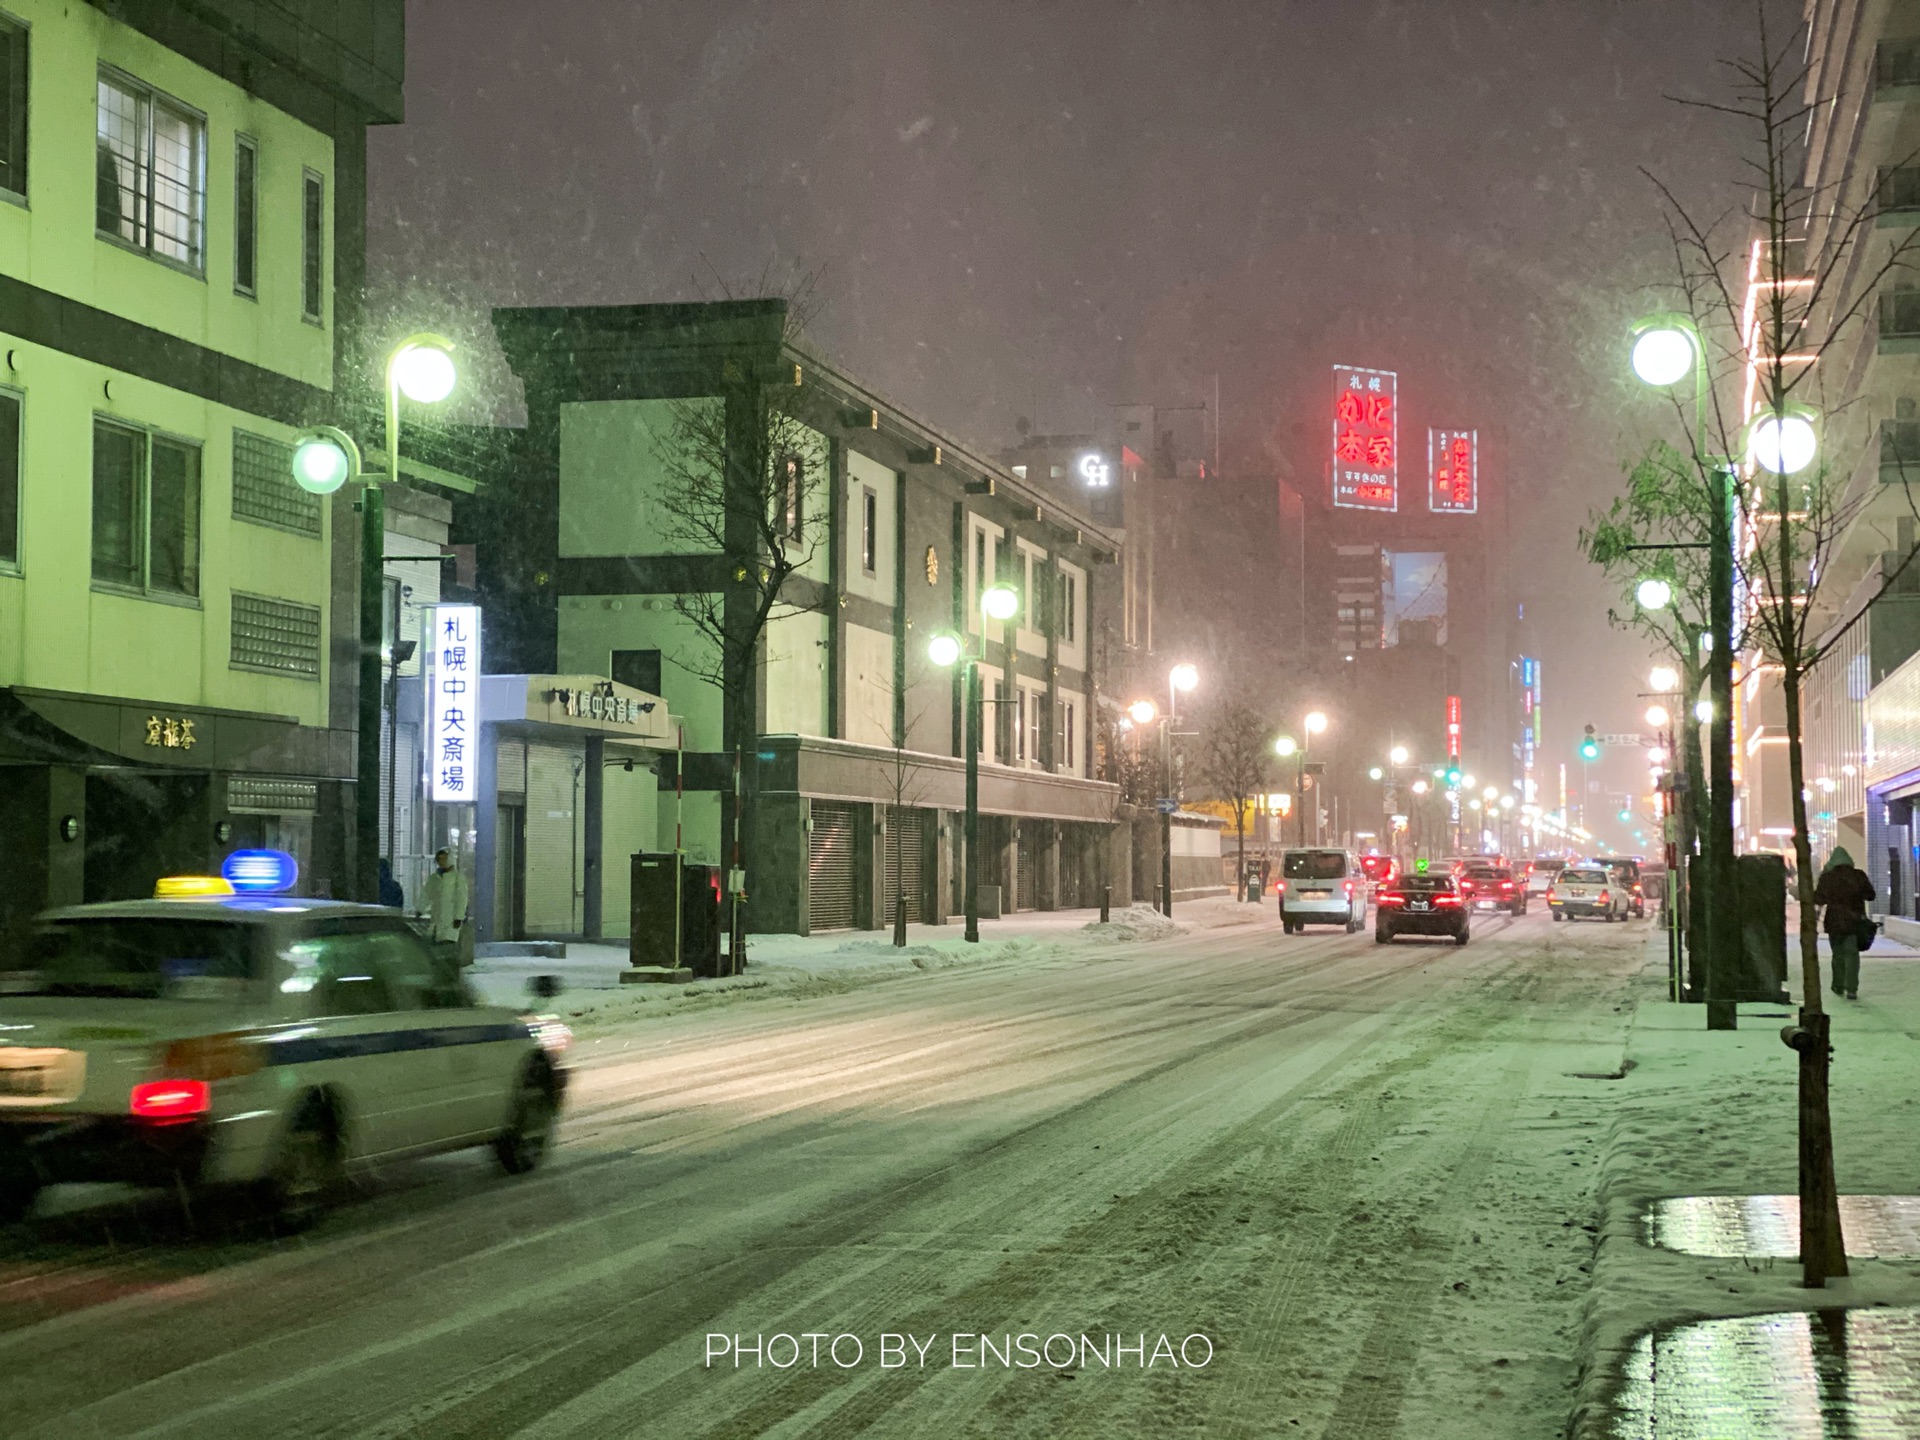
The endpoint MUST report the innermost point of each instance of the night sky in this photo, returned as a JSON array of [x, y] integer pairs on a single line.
[[1042, 209]]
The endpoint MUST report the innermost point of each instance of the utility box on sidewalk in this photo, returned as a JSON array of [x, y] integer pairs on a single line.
[[1760, 882], [674, 915]]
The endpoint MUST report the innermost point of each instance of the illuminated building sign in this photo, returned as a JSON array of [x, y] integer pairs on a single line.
[[1529, 713], [1366, 427], [453, 711], [1453, 468], [1453, 727], [1095, 472]]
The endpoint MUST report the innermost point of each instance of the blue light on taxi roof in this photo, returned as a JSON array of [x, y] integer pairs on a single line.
[[260, 872]]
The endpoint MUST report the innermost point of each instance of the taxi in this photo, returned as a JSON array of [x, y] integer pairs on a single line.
[[257, 1041]]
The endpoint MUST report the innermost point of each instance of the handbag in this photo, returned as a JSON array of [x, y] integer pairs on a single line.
[[1864, 932]]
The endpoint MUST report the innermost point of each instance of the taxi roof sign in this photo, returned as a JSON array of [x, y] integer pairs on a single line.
[[190, 887]]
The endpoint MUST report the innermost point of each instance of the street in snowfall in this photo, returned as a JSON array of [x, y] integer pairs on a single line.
[[828, 718]]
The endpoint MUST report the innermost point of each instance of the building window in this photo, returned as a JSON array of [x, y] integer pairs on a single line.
[[1900, 443], [263, 488], [792, 498], [150, 171], [246, 216], [1069, 760], [9, 478], [13, 107], [869, 530], [277, 637], [638, 668], [1896, 62], [313, 235], [146, 511], [1070, 610], [1900, 312], [1899, 189]]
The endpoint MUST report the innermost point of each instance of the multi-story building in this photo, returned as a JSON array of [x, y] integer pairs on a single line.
[[853, 740], [181, 256]]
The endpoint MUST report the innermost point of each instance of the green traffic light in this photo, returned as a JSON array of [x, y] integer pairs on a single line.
[[1589, 750]]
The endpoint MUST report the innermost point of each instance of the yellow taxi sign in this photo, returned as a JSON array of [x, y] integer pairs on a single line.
[[190, 887]]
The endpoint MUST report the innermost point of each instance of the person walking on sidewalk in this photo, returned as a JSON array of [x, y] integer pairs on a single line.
[[445, 897], [1845, 891]]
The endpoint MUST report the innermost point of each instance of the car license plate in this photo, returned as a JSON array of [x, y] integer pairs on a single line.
[[1416, 905], [28, 1075]]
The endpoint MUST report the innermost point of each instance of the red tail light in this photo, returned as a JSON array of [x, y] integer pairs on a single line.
[[1603, 897], [1446, 899], [1506, 884], [1392, 898], [1550, 895], [1280, 887], [171, 1099], [1349, 887]]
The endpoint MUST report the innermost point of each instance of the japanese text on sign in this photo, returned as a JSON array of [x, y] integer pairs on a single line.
[[453, 722], [1453, 462], [1366, 427], [1453, 727]]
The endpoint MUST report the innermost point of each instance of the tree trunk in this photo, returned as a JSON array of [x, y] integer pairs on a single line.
[[1240, 836], [1823, 1249]]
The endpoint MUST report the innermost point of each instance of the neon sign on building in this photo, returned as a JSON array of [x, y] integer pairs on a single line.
[[1453, 468], [1453, 727], [453, 707], [1366, 428]]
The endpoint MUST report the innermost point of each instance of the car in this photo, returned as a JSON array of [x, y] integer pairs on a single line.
[[1491, 887], [1380, 869], [1322, 886], [1587, 890], [1626, 869], [1429, 904], [1540, 877], [263, 1044]]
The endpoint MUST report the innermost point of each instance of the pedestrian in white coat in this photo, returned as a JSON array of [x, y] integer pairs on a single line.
[[445, 896]]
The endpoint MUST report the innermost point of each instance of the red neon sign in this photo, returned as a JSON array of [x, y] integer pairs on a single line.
[[1366, 429], [1453, 465], [1453, 727]]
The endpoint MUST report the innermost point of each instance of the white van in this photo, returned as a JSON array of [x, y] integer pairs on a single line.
[[1322, 886]]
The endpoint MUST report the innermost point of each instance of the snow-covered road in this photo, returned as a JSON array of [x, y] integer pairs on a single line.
[[1358, 1176]]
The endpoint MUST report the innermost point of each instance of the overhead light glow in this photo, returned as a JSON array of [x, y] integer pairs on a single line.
[[1653, 593], [1000, 602], [1315, 722], [1285, 746], [1663, 680], [1658, 717], [1183, 678], [944, 649], [424, 373], [1144, 712], [1663, 355], [320, 465], [1783, 444], [1398, 755]]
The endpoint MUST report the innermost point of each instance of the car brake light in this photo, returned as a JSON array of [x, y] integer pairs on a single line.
[[1280, 887], [1446, 899], [1506, 884], [171, 1099], [1602, 897], [1349, 887], [1392, 898], [1550, 895]]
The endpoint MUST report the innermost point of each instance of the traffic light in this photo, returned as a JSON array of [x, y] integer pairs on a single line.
[[1589, 746], [1453, 775]]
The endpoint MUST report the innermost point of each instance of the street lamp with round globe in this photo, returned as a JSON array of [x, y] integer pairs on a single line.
[[423, 370], [1375, 773], [1506, 802], [1285, 746], [1398, 755], [944, 649], [1653, 593], [1466, 782], [1000, 602], [1703, 712], [1663, 356], [1183, 678], [1658, 717], [1783, 444], [323, 461], [1420, 787], [1143, 712], [1315, 722], [1663, 680]]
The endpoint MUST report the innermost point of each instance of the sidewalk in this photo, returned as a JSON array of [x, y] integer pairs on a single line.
[[1667, 1348], [592, 996]]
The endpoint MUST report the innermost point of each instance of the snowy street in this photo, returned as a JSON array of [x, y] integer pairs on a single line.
[[1359, 1178]]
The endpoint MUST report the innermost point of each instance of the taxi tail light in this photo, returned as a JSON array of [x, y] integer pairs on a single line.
[[1392, 897], [211, 1057], [1444, 900], [1603, 897], [166, 1100]]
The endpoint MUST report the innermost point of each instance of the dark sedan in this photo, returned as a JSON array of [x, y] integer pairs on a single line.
[[1420, 905]]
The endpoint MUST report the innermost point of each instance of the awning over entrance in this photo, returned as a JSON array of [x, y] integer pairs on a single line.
[[585, 704]]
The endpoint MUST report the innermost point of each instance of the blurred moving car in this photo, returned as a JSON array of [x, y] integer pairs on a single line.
[[255, 1041], [1492, 887], [1322, 886], [1380, 869], [1587, 890], [1429, 904], [1540, 877]]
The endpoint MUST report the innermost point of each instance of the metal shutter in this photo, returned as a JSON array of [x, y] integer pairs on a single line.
[[830, 867], [906, 863], [1027, 867]]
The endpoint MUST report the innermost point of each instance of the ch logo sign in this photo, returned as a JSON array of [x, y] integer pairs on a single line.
[[1095, 471]]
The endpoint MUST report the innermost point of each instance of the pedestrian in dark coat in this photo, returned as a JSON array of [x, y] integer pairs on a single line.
[[1845, 891]]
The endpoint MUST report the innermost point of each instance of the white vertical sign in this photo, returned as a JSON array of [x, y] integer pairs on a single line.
[[453, 710]]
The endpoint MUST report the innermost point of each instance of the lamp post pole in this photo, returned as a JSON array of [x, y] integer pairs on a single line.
[[1723, 933], [971, 880]]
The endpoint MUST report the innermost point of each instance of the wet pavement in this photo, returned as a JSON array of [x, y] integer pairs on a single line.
[[1882, 1226], [1801, 1375]]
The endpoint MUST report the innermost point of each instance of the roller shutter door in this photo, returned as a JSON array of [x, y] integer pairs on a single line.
[[830, 867], [906, 863], [552, 853]]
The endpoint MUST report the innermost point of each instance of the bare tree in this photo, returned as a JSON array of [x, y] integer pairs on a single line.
[[1236, 748], [743, 476], [1774, 294]]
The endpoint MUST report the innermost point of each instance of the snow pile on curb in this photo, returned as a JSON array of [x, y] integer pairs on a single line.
[[1136, 922]]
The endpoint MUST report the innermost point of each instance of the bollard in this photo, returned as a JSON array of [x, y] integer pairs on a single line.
[[1106, 903]]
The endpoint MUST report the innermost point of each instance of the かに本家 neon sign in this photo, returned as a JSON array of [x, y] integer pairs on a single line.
[[1453, 462], [1366, 428]]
